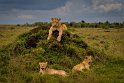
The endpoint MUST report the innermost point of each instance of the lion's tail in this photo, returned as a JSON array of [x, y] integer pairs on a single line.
[[64, 27]]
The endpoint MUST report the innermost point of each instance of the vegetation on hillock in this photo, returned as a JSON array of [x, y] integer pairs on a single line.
[[20, 59]]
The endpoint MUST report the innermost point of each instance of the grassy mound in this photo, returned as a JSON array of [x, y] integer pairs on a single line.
[[23, 56]]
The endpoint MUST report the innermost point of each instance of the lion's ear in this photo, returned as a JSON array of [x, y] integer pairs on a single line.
[[59, 19], [86, 57], [39, 63], [46, 62], [51, 18]]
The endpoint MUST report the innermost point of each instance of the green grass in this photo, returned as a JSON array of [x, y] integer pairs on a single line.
[[9, 33], [112, 42], [19, 59]]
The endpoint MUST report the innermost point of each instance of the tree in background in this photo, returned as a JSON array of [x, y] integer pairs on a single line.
[[82, 24]]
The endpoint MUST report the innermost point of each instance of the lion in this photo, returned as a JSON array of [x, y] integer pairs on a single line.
[[85, 64], [56, 25], [45, 70]]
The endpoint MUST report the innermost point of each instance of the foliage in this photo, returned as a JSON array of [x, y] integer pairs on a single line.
[[83, 24], [20, 59]]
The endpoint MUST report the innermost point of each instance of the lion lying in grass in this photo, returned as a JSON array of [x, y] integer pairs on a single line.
[[85, 64], [45, 70], [56, 25]]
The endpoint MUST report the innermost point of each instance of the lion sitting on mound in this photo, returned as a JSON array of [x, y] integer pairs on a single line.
[[56, 25]]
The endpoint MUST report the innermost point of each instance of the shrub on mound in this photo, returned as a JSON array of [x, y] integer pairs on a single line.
[[71, 45], [19, 60], [33, 47]]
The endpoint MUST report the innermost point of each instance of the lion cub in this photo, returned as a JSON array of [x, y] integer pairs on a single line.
[[45, 70], [85, 64]]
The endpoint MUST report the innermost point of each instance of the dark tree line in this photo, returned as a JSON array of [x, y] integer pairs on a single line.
[[106, 24], [83, 24]]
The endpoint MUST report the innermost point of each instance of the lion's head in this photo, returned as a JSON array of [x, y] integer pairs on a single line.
[[55, 22], [43, 65], [88, 59]]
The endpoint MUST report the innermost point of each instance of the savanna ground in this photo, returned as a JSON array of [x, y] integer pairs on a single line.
[[110, 40], [23, 67], [8, 33]]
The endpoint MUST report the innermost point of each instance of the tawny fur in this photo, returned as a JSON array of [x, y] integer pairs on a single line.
[[56, 25], [45, 70], [85, 64]]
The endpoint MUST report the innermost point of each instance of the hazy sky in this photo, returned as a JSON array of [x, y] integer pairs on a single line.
[[22, 11]]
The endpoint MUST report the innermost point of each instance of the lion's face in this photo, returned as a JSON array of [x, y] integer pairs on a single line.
[[55, 22], [43, 65], [88, 59]]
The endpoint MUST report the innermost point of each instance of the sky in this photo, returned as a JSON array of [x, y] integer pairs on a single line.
[[22, 11]]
